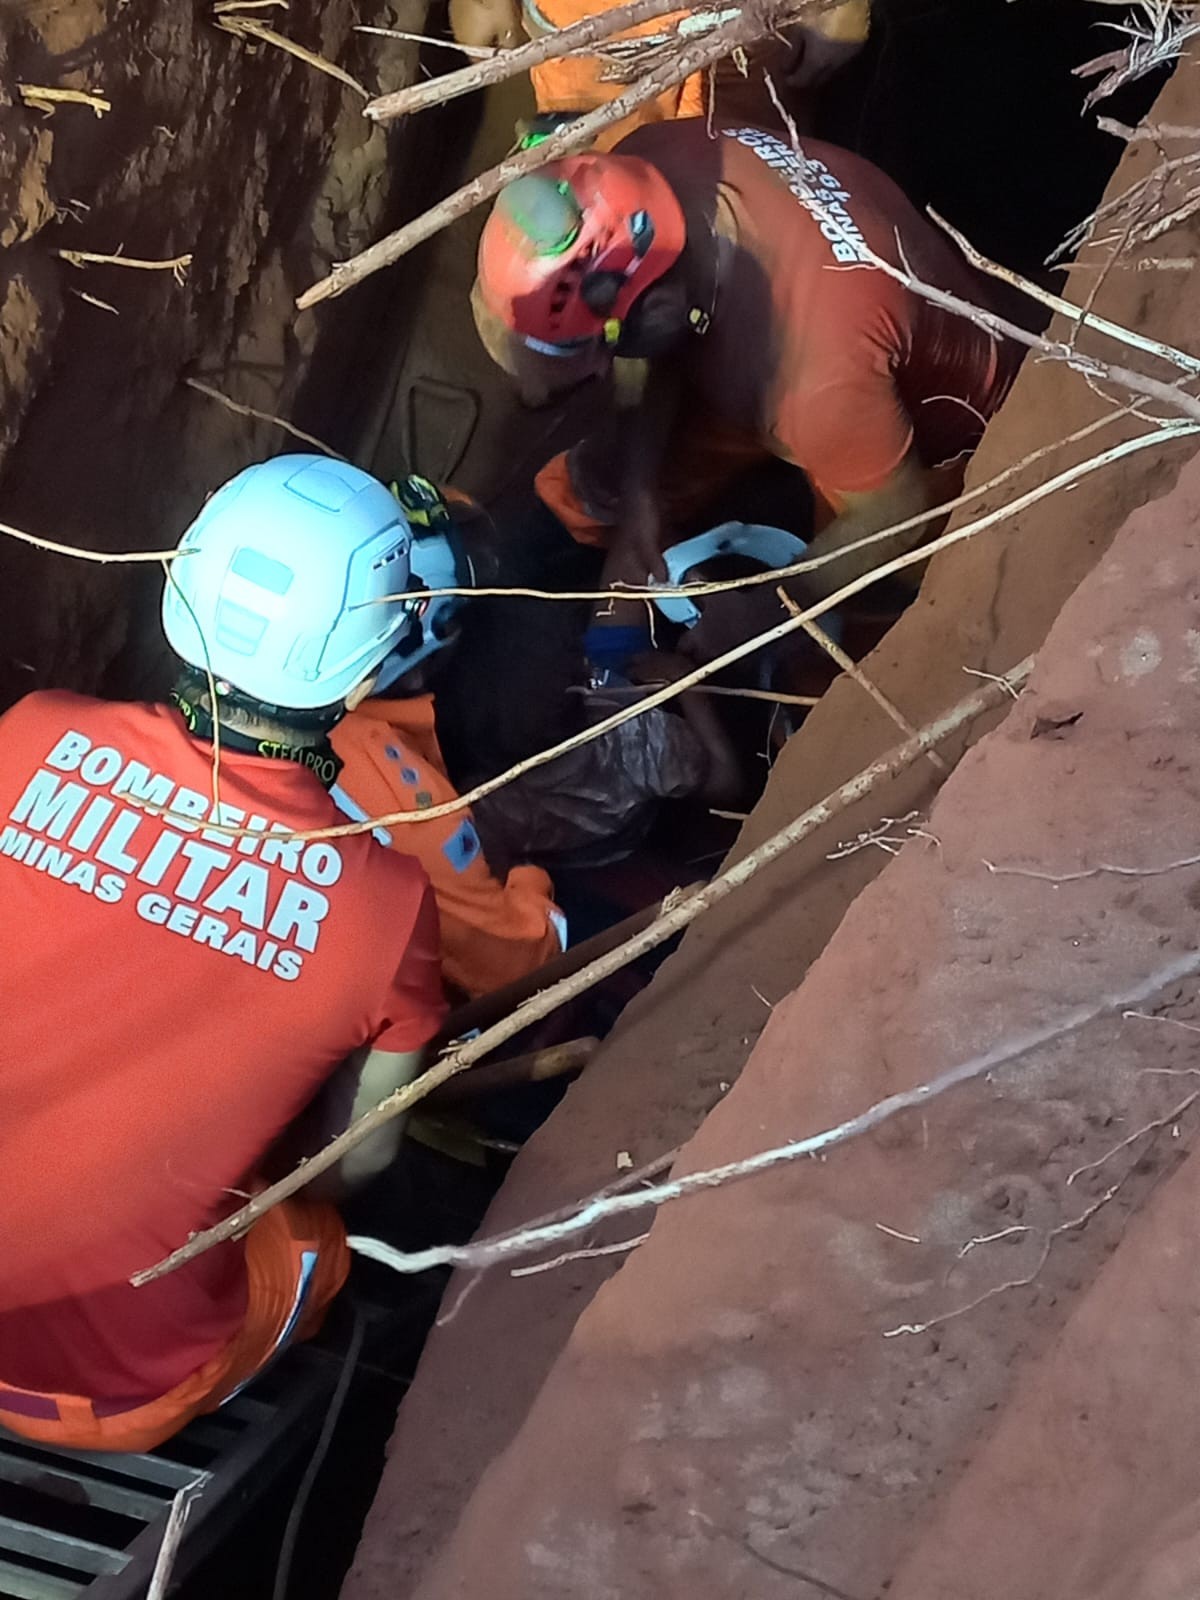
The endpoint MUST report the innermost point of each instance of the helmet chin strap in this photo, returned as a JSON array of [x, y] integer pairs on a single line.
[[310, 748]]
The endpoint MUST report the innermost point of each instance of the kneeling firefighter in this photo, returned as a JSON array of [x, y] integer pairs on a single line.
[[495, 926], [184, 970]]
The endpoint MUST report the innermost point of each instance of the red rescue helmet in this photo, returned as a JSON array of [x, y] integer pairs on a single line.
[[568, 249]]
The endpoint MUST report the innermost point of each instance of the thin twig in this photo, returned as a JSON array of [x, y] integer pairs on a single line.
[[251, 28], [1054, 350], [1139, 1133], [808, 700], [1022, 1282], [574, 39], [527, 1240], [548, 1000], [102, 558], [688, 589], [177, 265], [990, 321], [619, 1248], [880, 837], [95, 300], [39, 98], [853, 671], [1174, 1022], [1101, 869], [168, 1550], [688, 681], [477, 52], [991, 677], [1066, 308], [264, 416], [699, 587]]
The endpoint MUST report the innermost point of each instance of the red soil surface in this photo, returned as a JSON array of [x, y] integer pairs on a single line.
[[877, 1366], [733, 1383]]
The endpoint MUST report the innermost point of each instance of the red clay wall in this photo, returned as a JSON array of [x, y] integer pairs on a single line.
[[949, 1350], [983, 605]]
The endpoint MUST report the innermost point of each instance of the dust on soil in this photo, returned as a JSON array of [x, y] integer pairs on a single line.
[[983, 606], [804, 1373]]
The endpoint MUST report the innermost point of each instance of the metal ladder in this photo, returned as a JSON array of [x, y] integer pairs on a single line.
[[79, 1522]]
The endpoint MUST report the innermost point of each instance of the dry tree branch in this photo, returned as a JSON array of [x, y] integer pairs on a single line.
[[1077, 314], [94, 300], [177, 265], [577, 135], [575, 39], [781, 630], [1055, 350], [1142, 201], [590, 1254], [81, 553], [40, 98], [1013, 1049], [251, 28], [772, 695], [548, 1000], [991, 322], [168, 1550], [1158, 41], [477, 52], [1102, 868], [698, 588], [264, 416], [853, 671], [102, 558]]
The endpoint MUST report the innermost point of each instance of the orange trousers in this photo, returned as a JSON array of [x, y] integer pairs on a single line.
[[296, 1262]]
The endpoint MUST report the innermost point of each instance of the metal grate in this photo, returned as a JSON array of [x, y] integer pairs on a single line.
[[79, 1522]]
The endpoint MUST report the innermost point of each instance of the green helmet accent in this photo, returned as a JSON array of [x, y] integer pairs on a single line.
[[546, 212]]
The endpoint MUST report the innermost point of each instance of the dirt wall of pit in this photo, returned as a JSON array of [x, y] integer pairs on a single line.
[[678, 1049], [260, 168], [936, 1361]]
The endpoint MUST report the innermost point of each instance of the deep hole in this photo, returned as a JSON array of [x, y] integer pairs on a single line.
[[971, 105]]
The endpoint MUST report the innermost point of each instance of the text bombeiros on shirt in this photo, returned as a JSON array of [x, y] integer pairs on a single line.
[[259, 897], [815, 187]]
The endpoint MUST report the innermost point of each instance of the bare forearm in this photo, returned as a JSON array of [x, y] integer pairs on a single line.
[[723, 781], [855, 533]]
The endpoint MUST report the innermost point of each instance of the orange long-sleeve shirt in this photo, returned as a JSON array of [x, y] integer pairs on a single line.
[[574, 83], [493, 931]]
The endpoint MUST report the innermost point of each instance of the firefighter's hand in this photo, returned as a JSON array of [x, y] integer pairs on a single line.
[[642, 537]]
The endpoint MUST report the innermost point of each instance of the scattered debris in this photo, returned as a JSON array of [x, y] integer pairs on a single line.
[[1157, 41], [95, 300], [39, 98], [251, 28], [176, 265]]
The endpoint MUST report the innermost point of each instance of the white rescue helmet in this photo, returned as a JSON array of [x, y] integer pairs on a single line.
[[280, 583]]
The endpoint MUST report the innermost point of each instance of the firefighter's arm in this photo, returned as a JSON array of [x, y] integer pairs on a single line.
[[648, 399], [906, 493], [381, 1074]]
